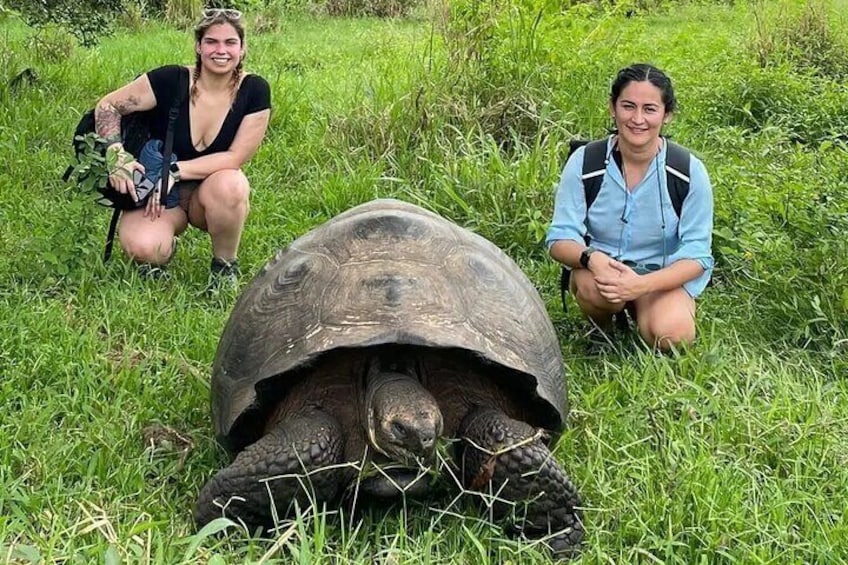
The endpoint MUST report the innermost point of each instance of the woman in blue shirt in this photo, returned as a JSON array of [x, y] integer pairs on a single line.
[[641, 255]]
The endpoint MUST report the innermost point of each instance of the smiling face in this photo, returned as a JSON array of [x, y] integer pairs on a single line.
[[639, 114], [220, 50]]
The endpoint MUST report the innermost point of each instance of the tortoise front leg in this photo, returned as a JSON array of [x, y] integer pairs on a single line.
[[298, 445], [502, 456]]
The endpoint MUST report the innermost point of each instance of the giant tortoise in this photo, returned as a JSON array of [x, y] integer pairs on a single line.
[[369, 339]]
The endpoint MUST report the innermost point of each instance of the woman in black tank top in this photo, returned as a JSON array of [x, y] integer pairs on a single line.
[[223, 114]]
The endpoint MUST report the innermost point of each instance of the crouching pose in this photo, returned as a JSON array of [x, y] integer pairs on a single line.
[[220, 123], [636, 243]]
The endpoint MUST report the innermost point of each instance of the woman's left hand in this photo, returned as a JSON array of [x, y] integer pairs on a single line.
[[623, 286], [154, 204]]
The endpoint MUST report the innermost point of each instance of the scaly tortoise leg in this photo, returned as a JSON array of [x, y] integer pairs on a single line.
[[501, 456], [296, 445]]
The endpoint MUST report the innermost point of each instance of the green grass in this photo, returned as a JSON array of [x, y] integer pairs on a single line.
[[733, 452]]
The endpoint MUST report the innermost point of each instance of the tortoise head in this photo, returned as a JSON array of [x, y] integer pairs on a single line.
[[404, 420]]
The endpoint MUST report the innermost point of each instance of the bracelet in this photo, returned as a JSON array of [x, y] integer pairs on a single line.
[[112, 139]]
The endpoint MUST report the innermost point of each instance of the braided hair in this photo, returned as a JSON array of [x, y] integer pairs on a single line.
[[235, 79]]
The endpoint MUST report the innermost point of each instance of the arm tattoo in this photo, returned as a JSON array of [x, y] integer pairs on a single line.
[[107, 117], [127, 106], [107, 122]]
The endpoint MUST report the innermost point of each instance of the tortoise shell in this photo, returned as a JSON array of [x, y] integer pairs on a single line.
[[384, 272]]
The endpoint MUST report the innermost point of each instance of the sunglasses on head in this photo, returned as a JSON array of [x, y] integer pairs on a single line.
[[229, 13]]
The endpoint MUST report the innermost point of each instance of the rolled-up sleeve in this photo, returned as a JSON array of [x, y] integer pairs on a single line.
[[696, 227], [569, 219]]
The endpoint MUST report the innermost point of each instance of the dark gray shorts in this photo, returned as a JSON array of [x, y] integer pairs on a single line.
[[180, 194]]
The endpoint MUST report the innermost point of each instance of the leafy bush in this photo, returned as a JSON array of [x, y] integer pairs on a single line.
[[490, 77], [804, 39], [807, 109], [51, 44], [183, 12], [85, 19], [779, 212], [377, 8]]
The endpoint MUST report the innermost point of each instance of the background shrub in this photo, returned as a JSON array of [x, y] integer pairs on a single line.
[[85, 19], [376, 8], [803, 37], [183, 12]]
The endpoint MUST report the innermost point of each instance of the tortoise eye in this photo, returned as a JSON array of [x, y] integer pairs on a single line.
[[398, 430]]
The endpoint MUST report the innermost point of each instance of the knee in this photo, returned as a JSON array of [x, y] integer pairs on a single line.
[[228, 189], [668, 332], [149, 250]]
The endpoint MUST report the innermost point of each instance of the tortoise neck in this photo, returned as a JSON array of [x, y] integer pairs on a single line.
[[387, 367], [392, 360]]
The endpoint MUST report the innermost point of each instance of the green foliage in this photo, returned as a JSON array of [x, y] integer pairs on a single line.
[[85, 19], [92, 164], [808, 109], [51, 43], [481, 90], [776, 238], [133, 15], [731, 452], [488, 47], [183, 12], [376, 8], [269, 17], [805, 39]]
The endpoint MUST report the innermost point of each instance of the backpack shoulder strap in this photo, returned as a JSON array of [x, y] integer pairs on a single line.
[[173, 113], [110, 237], [594, 167], [564, 284], [677, 174]]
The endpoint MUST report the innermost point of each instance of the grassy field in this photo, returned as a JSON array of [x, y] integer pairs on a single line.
[[734, 452]]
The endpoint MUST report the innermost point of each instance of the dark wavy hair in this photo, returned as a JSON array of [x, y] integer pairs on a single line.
[[640, 72]]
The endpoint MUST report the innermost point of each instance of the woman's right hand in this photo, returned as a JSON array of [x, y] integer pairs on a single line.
[[121, 177], [154, 204]]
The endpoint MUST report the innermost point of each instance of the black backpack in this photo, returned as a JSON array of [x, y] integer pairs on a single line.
[[594, 168], [135, 132]]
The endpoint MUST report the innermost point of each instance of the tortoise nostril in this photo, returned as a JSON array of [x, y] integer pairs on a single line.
[[428, 441]]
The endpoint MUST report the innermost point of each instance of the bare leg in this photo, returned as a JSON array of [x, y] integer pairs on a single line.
[[220, 206], [666, 319], [150, 241], [592, 304]]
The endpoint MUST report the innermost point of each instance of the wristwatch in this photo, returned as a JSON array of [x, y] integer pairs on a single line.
[[584, 257], [175, 172]]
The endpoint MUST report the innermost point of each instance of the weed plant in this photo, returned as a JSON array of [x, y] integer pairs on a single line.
[[732, 451], [804, 36]]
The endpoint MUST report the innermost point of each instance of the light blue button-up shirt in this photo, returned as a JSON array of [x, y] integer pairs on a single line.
[[628, 225]]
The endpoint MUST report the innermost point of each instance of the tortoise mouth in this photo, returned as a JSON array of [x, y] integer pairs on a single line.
[[396, 481]]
